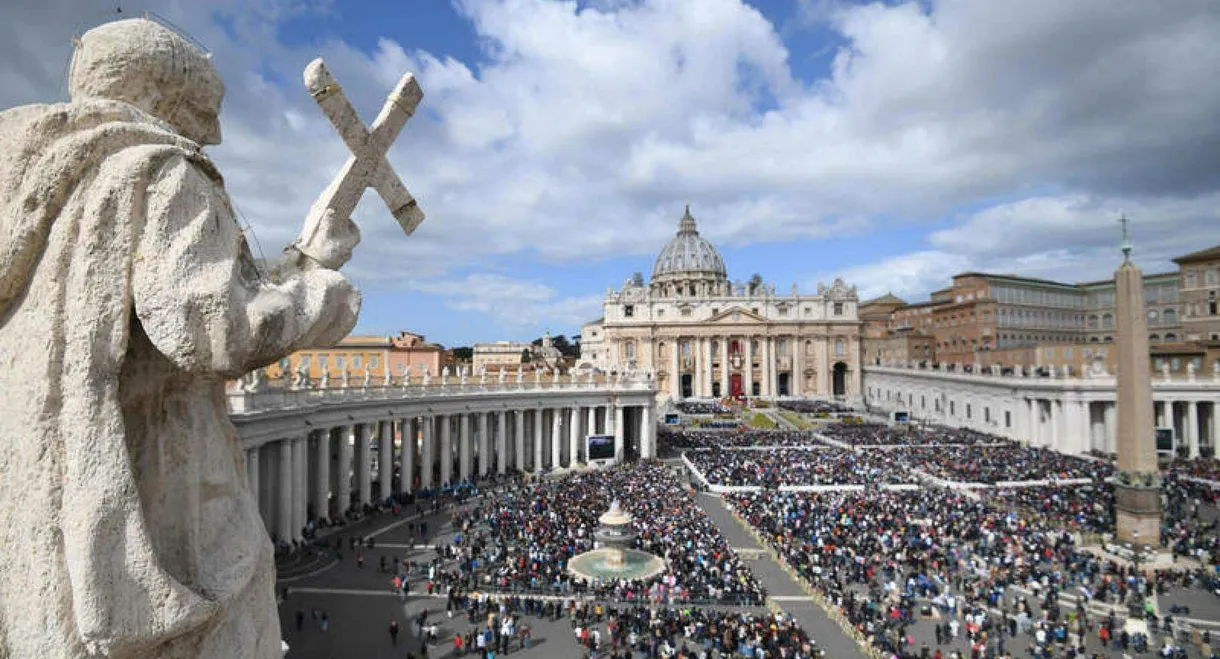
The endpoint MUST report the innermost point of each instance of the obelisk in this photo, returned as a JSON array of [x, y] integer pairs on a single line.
[[1138, 483]]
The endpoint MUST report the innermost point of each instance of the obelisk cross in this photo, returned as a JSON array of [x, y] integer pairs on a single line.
[[367, 166], [1126, 236]]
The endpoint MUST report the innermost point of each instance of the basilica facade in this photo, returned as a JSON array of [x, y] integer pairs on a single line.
[[704, 336]]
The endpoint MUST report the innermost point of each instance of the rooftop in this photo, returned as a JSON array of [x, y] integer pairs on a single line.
[[1209, 254]]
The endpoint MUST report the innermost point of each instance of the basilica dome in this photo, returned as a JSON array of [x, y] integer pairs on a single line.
[[688, 256]]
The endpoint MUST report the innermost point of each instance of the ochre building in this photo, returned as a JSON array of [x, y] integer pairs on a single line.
[[705, 336]]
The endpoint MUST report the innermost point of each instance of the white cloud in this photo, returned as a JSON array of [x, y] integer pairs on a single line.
[[514, 303], [585, 127]]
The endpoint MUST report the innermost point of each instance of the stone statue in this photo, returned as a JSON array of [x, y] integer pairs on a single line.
[[324, 381], [1165, 371], [300, 377], [346, 375], [1190, 371], [427, 376], [128, 296], [520, 375], [503, 376], [368, 378], [537, 375], [482, 376], [406, 376], [1018, 371]]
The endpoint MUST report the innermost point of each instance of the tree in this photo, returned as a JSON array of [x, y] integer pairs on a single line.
[[756, 282], [463, 353], [526, 356]]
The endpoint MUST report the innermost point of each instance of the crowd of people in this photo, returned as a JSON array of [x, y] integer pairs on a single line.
[[1086, 508], [889, 561], [703, 407], [701, 439], [521, 540], [995, 464], [804, 406], [880, 434], [799, 466], [1205, 468]]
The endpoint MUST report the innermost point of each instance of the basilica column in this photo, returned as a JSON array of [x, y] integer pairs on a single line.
[[537, 428], [343, 475], [519, 438], [768, 370], [796, 376], [284, 514], [1192, 428], [1110, 416], [484, 446], [428, 453], [707, 360], [824, 367], [592, 420], [1160, 413], [385, 460], [618, 434], [675, 388], [724, 366], [363, 464], [1056, 422], [748, 371], [502, 443], [648, 433], [446, 449]]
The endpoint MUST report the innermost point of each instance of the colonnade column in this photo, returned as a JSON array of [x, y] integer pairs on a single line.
[[484, 446], [1192, 428], [1056, 419], [428, 453], [464, 447], [284, 513], [321, 486], [406, 460], [519, 438], [300, 485], [502, 443], [538, 419], [446, 449], [364, 463], [1085, 426], [252, 475], [707, 374], [343, 476], [385, 460], [574, 436], [1160, 413], [592, 420]]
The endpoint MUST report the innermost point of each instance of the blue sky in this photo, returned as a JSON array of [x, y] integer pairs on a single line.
[[891, 144]]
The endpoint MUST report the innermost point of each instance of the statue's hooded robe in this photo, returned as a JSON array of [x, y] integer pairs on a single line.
[[127, 297]]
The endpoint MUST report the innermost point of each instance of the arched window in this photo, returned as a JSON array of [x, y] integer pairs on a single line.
[[840, 347], [1171, 337], [629, 349], [1154, 338], [1107, 321], [1170, 317]]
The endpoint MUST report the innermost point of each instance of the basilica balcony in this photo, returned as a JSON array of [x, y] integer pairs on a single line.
[[783, 363]]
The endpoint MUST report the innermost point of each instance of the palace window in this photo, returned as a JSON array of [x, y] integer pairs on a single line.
[[340, 362], [629, 311], [1190, 280], [838, 308], [783, 311], [629, 349], [355, 361], [686, 311], [323, 361], [1007, 419], [373, 361], [1170, 317], [660, 313], [305, 362]]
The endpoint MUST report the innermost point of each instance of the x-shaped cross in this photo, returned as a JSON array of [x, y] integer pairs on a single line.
[[367, 166]]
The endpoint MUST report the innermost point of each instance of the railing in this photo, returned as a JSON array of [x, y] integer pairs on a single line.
[[1018, 373], [245, 398]]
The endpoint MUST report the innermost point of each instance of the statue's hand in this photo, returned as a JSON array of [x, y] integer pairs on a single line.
[[331, 240]]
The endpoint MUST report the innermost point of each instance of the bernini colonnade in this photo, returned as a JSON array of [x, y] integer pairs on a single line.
[[314, 453]]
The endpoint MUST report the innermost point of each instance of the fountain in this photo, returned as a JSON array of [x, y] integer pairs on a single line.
[[615, 558]]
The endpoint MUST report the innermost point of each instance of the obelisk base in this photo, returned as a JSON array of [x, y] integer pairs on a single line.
[[1138, 514]]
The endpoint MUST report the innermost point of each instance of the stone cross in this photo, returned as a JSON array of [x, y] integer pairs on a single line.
[[367, 166]]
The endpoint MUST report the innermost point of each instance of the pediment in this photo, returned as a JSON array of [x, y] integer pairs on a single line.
[[736, 315]]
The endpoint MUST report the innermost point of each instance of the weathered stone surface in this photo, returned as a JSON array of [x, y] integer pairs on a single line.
[[128, 296]]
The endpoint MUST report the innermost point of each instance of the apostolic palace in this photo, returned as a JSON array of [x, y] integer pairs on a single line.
[[705, 336]]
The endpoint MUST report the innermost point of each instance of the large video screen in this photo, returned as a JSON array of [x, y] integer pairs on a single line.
[[1164, 440], [601, 447]]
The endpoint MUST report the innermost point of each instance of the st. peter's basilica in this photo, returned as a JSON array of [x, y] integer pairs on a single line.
[[705, 336]]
